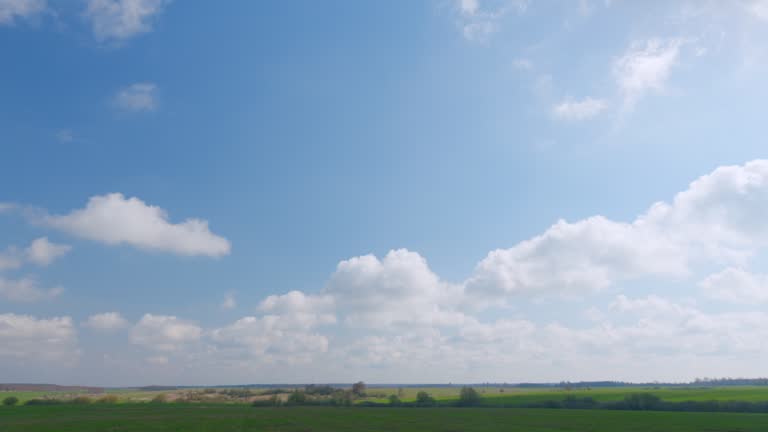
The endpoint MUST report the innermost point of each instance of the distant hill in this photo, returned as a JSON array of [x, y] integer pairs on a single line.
[[49, 388]]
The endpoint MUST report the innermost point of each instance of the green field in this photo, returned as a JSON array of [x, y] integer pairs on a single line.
[[515, 396], [235, 418]]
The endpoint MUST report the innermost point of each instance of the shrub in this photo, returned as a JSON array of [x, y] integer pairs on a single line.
[[341, 398], [161, 398], [423, 399], [10, 401], [82, 400], [298, 397], [468, 397], [394, 400]]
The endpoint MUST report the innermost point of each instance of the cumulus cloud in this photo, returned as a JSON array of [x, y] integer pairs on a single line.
[[11, 10], [106, 321], [26, 290], [579, 110], [114, 219], [272, 338], [645, 67], [25, 338], [398, 289], [736, 285], [118, 20], [137, 97], [717, 219], [43, 252], [574, 258], [164, 332]]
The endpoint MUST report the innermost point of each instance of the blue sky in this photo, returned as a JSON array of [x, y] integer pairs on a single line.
[[441, 191]]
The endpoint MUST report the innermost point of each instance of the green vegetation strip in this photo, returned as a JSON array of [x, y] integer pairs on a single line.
[[235, 418]]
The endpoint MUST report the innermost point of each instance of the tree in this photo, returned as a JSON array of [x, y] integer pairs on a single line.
[[10, 401], [424, 399], [468, 397], [358, 389], [298, 397], [394, 400]]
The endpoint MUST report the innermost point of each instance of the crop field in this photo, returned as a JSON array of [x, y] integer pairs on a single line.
[[235, 418], [512, 396]]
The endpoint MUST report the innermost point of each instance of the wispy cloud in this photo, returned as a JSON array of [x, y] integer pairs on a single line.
[[478, 19], [119, 20], [579, 110], [137, 97], [11, 10], [645, 67]]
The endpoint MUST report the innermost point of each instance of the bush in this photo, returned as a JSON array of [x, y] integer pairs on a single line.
[[341, 398], [82, 400], [298, 397], [358, 389], [108, 399], [10, 401], [468, 397], [423, 399], [161, 398], [394, 400]]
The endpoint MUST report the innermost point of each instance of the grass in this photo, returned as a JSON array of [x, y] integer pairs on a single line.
[[236, 418]]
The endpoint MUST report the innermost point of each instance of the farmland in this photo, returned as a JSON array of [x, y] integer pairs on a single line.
[[239, 417]]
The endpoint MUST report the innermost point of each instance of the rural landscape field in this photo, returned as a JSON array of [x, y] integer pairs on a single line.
[[498, 408], [383, 216]]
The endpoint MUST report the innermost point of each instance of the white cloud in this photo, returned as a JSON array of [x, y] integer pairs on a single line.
[[113, 219], [106, 321], [757, 8], [229, 301], [522, 64], [469, 7], [579, 110], [24, 338], [717, 219], [119, 20], [573, 258], [398, 289], [43, 252], [25, 290], [10, 10], [137, 97], [271, 338], [645, 67], [736, 285], [478, 20], [164, 332]]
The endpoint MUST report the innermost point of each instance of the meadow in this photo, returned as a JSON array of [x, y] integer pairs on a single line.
[[134, 417]]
